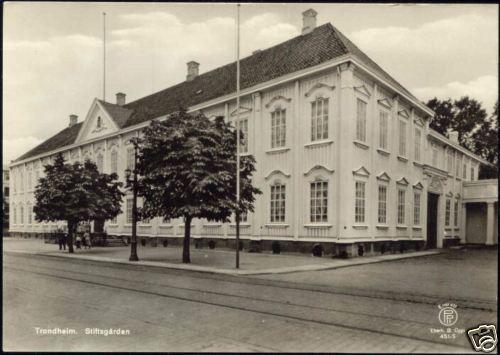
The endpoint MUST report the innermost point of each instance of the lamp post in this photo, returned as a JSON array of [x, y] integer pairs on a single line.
[[133, 182]]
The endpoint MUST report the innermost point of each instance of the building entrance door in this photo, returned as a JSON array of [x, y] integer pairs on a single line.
[[432, 220]]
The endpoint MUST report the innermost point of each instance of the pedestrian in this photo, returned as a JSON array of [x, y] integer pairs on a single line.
[[78, 241], [60, 236], [64, 240], [86, 239]]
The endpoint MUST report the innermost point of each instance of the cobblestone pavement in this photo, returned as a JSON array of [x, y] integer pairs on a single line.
[[170, 310]]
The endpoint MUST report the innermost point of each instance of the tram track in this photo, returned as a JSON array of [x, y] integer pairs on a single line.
[[318, 315]]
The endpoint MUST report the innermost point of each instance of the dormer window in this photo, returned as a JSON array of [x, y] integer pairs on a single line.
[[99, 122]]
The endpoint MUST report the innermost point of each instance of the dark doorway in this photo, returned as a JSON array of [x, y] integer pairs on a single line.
[[98, 225], [432, 220]]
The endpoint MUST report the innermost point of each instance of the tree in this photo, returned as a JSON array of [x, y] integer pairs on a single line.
[[187, 165], [75, 193], [476, 131]]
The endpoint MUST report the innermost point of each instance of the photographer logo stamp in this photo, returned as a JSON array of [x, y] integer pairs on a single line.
[[448, 316], [483, 338]]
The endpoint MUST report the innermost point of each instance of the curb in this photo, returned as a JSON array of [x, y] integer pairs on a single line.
[[283, 270]]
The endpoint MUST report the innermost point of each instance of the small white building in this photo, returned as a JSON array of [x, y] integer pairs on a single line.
[[345, 156]]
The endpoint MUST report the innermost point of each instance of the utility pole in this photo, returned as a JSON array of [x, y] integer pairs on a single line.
[[133, 182], [237, 214], [104, 56]]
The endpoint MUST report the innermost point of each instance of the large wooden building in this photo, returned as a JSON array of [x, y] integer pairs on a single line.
[[345, 156]]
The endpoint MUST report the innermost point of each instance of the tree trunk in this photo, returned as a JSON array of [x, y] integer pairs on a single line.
[[186, 259], [71, 230]]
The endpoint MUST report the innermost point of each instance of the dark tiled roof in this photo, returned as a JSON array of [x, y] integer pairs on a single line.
[[119, 113], [323, 44], [66, 137]]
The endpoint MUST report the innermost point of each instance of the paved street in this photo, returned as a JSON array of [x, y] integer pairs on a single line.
[[172, 310]]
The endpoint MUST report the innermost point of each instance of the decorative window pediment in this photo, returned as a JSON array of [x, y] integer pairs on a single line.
[[278, 173], [449, 194], [385, 102], [402, 181], [404, 113], [277, 99], [361, 171], [384, 177], [363, 90], [457, 195], [419, 122], [418, 186], [113, 143], [98, 147], [243, 110], [318, 86], [318, 167]]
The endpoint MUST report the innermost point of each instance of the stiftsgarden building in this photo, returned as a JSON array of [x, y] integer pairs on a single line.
[[345, 156]]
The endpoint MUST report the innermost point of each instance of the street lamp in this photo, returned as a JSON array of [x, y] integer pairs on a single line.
[[133, 183]]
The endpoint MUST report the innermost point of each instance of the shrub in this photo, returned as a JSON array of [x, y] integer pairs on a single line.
[[211, 244], [276, 247], [317, 250]]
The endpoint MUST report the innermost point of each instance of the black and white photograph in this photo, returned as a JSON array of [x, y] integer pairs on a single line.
[[250, 177]]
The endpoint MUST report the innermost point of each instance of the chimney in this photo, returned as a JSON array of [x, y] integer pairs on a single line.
[[308, 21], [73, 120], [453, 135], [120, 98], [193, 69]]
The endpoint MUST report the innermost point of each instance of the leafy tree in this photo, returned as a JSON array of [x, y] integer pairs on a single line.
[[5, 219], [187, 165], [75, 193], [476, 131]]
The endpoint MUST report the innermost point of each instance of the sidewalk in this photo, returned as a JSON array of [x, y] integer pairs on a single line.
[[203, 260]]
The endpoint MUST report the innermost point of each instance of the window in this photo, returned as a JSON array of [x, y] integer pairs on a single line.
[[402, 138], [319, 201], [472, 173], [30, 179], [447, 213], [21, 214], [278, 128], [464, 171], [401, 206], [114, 220], [14, 214], [449, 166], [319, 119], [243, 217], [277, 203], [416, 208], [100, 162], [361, 121], [458, 165], [29, 210], [99, 122], [244, 135], [359, 206], [114, 161], [434, 156], [418, 135], [129, 210], [455, 214], [21, 182], [130, 158], [382, 204], [165, 220], [384, 126]]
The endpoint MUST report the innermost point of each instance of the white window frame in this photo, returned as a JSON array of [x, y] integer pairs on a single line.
[[130, 158], [278, 127], [417, 210], [113, 161], [417, 144], [359, 202], [402, 128], [401, 204], [382, 204], [277, 205], [383, 129], [361, 117], [320, 202], [319, 123], [99, 162], [244, 139], [129, 210], [447, 213], [455, 214]]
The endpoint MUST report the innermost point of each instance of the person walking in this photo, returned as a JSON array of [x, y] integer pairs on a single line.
[[60, 236], [86, 239], [78, 241]]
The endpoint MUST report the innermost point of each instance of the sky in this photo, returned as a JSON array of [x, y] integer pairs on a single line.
[[53, 52]]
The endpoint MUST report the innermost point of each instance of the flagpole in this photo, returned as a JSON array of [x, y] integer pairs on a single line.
[[104, 56], [238, 138]]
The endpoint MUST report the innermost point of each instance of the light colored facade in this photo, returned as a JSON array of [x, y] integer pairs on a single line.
[[343, 156]]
